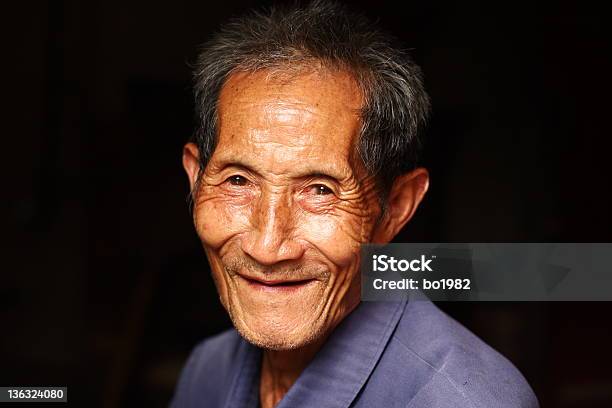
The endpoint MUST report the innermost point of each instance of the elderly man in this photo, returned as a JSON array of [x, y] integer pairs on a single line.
[[306, 149]]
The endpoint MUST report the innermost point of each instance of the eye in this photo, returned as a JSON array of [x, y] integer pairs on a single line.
[[237, 180], [320, 189]]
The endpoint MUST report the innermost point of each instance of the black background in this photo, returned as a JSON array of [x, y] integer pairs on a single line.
[[103, 284]]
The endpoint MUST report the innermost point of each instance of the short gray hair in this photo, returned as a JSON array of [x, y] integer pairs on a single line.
[[325, 33]]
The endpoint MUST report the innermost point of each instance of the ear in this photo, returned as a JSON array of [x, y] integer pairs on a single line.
[[405, 196], [191, 163]]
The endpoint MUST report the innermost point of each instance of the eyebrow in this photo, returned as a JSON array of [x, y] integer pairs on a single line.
[[314, 173]]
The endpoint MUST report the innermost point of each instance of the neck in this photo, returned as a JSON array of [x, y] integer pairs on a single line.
[[280, 369]]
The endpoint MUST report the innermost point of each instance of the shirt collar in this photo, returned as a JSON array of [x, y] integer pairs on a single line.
[[244, 391], [339, 370], [344, 364]]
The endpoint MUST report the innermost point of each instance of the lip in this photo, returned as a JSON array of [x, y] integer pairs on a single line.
[[277, 285]]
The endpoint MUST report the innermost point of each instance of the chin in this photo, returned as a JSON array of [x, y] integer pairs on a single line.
[[278, 335]]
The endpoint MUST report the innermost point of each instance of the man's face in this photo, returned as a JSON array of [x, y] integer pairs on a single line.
[[284, 205]]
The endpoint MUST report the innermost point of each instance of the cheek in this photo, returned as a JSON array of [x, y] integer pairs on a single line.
[[337, 237], [217, 220]]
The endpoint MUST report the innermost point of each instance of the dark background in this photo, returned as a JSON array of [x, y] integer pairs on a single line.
[[103, 285]]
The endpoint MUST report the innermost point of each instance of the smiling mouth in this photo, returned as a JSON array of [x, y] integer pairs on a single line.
[[276, 285]]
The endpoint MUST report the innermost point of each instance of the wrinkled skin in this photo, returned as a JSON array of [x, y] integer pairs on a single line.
[[284, 204]]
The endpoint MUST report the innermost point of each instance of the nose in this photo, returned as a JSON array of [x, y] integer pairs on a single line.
[[271, 237]]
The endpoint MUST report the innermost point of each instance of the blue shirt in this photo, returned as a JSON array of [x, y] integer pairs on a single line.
[[384, 354]]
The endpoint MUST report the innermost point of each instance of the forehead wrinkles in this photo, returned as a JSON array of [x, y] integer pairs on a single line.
[[322, 81], [332, 94], [315, 114], [280, 123]]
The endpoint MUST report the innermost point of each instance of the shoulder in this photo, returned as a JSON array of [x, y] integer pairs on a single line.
[[208, 370], [458, 362]]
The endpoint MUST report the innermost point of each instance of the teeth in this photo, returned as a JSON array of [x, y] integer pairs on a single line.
[[288, 283], [283, 283]]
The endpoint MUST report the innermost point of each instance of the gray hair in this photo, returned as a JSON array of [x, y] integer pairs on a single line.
[[323, 33]]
